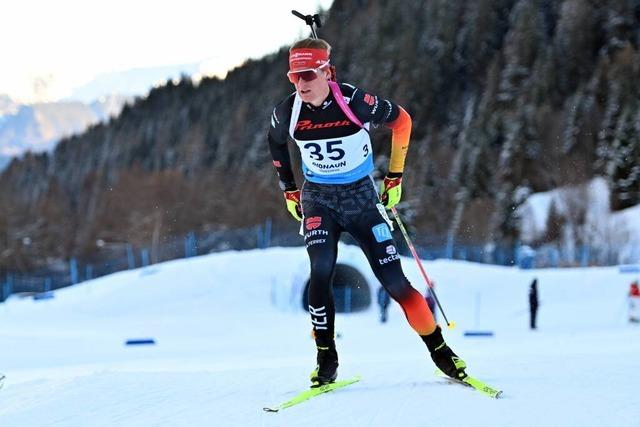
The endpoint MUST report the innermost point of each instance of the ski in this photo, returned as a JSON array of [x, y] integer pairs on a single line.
[[311, 393], [474, 383]]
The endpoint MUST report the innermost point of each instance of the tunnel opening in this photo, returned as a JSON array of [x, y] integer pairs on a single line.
[[351, 292]]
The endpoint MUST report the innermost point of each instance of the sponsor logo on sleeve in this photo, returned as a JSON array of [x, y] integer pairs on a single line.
[[391, 250], [369, 99]]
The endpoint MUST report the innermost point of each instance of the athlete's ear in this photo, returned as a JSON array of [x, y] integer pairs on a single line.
[[327, 73]]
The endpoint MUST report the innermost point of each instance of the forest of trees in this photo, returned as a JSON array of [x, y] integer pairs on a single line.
[[508, 97]]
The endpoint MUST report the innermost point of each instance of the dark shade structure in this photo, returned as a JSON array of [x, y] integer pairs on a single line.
[[351, 290]]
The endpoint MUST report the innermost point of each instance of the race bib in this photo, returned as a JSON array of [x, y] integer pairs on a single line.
[[336, 156]]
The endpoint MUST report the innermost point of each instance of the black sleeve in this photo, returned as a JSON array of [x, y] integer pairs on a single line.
[[278, 138], [370, 108]]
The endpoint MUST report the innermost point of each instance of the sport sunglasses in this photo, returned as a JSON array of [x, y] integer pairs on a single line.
[[306, 75]]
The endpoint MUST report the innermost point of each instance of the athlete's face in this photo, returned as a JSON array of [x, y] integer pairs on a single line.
[[315, 90]]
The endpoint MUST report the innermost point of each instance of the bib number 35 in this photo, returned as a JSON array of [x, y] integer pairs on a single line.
[[331, 150]]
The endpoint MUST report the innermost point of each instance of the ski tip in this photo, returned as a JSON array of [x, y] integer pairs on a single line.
[[493, 393], [474, 383], [483, 388]]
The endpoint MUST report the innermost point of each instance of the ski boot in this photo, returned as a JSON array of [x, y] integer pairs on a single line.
[[326, 370], [442, 355]]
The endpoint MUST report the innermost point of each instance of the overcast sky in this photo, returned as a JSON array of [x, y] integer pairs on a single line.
[[64, 44]]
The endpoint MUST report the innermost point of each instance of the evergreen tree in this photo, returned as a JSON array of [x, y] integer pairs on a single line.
[[623, 168]]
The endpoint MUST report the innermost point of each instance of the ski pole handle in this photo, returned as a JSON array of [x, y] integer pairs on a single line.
[[299, 15], [310, 20]]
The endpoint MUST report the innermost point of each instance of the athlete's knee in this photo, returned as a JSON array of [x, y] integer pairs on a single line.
[[399, 289], [394, 281], [322, 269]]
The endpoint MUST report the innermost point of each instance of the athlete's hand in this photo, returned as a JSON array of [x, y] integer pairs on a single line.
[[293, 203], [391, 191]]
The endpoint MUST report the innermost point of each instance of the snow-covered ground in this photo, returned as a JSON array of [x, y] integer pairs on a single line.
[[225, 350]]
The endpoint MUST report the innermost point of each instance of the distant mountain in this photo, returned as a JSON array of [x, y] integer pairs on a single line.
[[38, 127], [135, 82], [7, 105]]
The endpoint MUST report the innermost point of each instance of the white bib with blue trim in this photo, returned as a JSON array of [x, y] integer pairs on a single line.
[[333, 160]]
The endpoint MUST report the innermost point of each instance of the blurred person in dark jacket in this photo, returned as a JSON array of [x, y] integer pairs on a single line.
[[383, 301], [533, 302]]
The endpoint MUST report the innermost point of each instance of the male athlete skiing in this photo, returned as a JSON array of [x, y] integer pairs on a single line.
[[330, 123]]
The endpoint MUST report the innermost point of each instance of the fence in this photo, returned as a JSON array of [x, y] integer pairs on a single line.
[[269, 234]]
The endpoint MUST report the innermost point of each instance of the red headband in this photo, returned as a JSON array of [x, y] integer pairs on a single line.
[[307, 59]]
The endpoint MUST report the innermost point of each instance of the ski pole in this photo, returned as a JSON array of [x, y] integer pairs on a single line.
[[310, 20], [451, 325]]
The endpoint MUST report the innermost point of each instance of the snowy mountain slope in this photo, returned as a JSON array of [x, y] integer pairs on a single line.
[[7, 105], [224, 351], [133, 82], [38, 127]]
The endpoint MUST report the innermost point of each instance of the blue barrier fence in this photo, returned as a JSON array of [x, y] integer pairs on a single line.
[[125, 256]]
